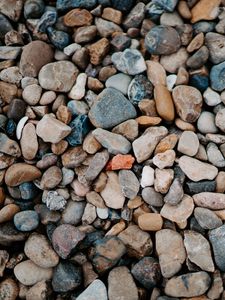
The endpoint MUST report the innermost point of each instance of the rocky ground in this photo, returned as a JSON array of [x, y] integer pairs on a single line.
[[112, 149]]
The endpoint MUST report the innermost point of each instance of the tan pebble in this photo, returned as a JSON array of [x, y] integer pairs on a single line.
[[156, 73], [147, 121], [182, 76], [60, 147], [196, 42], [201, 154], [135, 203], [8, 91], [184, 125], [117, 228], [220, 214], [184, 10], [98, 51], [164, 103], [2, 195], [90, 144], [148, 107], [30, 113], [51, 178], [63, 114], [78, 17], [95, 199], [106, 72], [174, 61], [220, 182], [40, 111], [150, 222], [47, 97], [143, 209], [205, 10], [79, 188], [113, 15], [100, 182], [182, 225], [29, 142], [94, 84], [163, 180], [167, 143], [7, 212]]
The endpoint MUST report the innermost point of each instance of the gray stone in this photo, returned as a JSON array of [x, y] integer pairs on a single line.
[[217, 240], [135, 17], [119, 81], [95, 291], [216, 45], [206, 218], [151, 197], [96, 165], [215, 156], [175, 194], [188, 143], [8, 52], [129, 183], [73, 212], [217, 77], [140, 88], [206, 123]]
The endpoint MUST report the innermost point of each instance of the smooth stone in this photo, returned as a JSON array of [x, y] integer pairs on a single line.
[[217, 238], [114, 143], [206, 218], [111, 109], [211, 97], [129, 183], [188, 143], [11, 75], [162, 40], [135, 17], [201, 186], [73, 157], [219, 120], [78, 17], [163, 180], [106, 28], [206, 123], [7, 212], [174, 61], [32, 94], [29, 274], [144, 146], [175, 193], [147, 272], [210, 200], [169, 244], [121, 284], [129, 129], [73, 212], [151, 197], [27, 81], [198, 250], [217, 77], [200, 82], [78, 90], [196, 170], [9, 235], [9, 146], [119, 81], [124, 6], [147, 176], [29, 142], [9, 52], [188, 102], [66, 277], [35, 55], [156, 73], [150, 222], [58, 76], [5, 26], [199, 58], [164, 159], [16, 110], [27, 220], [28, 190], [215, 157], [63, 5], [197, 283], [95, 291], [205, 10], [80, 127], [33, 9], [130, 61], [171, 81], [78, 107], [168, 5]]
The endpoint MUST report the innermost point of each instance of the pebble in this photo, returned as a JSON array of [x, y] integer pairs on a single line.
[[156, 73], [17, 108], [164, 103], [33, 9], [174, 61], [198, 250], [206, 218], [151, 197], [147, 272], [201, 186], [188, 102], [162, 40], [73, 212], [98, 51], [206, 123], [106, 28], [8, 52], [150, 222], [175, 193], [216, 237], [121, 284], [95, 291], [129, 183], [130, 61], [80, 127], [139, 88], [188, 285], [163, 180], [210, 200], [70, 4], [9, 146], [113, 15], [7, 212], [211, 98], [219, 120], [11, 75], [165, 159], [111, 109], [216, 77], [119, 81], [167, 143], [171, 81], [58, 76], [29, 142], [78, 17], [120, 161], [78, 90], [215, 156], [9, 289], [188, 143], [205, 10], [147, 176], [196, 170], [27, 220], [129, 129]]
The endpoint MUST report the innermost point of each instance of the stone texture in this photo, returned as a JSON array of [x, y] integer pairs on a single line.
[[29, 142], [150, 222], [129, 183], [205, 10], [95, 291], [188, 143], [206, 218], [210, 200], [164, 103], [9, 146], [216, 237]]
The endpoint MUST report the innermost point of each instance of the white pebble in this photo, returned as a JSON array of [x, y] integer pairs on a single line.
[[71, 49], [170, 81], [20, 126], [135, 44], [60, 55], [211, 97], [147, 177], [78, 90], [102, 213]]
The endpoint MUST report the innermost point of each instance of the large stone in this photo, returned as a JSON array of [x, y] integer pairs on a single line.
[[210, 200], [111, 109], [95, 291], [217, 240], [58, 76], [205, 10]]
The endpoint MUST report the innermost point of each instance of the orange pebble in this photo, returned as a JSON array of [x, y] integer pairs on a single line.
[[120, 161]]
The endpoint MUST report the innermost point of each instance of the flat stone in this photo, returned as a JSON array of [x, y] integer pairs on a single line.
[[151, 197], [70, 4], [29, 274], [58, 76], [147, 176], [169, 244], [119, 81], [164, 159], [11, 75], [217, 238], [211, 97], [113, 15], [156, 73], [96, 165], [73, 157], [215, 157], [111, 109], [198, 250], [9, 234], [167, 143], [17, 109], [95, 291], [188, 143], [210, 200], [77, 17], [29, 142], [135, 17], [8, 91], [129, 183], [51, 178], [188, 285], [98, 50], [49, 125], [144, 146], [129, 129], [196, 170], [121, 284], [73, 212], [178, 213], [9, 146]]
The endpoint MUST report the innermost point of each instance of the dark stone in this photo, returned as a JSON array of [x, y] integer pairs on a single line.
[[200, 82], [185, 32], [33, 9], [123, 5], [199, 58], [26, 220], [80, 128], [14, 192], [28, 190], [90, 239], [66, 277], [46, 215], [64, 5], [217, 239], [147, 272], [10, 127], [3, 121], [121, 42], [140, 88], [194, 225], [206, 218], [9, 234], [104, 2], [59, 39], [47, 19], [199, 187], [203, 26], [17, 109], [135, 17], [24, 205], [50, 228], [168, 5], [217, 77], [153, 11], [5, 26]]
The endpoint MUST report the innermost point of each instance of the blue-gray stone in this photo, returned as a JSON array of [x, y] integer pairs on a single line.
[[28, 190], [78, 107], [27, 220], [10, 127], [200, 82], [33, 9], [104, 2], [204, 27], [25, 205], [47, 19], [217, 77], [59, 39], [199, 187], [3, 121], [5, 26], [64, 5], [140, 88], [153, 11], [168, 5], [111, 109], [80, 127], [217, 240], [123, 5]]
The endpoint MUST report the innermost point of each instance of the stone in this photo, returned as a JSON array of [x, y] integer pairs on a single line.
[[95, 291], [129, 129], [54, 201], [139, 88], [206, 218], [220, 188], [77, 17], [78, 90], [163, 180], [164, 103], [162, 40], [196, 42], [204, 10], [156, 73], [11, 75], [33, 9], [27, 220], [73, 157], [171, 19], [8, 91], [137, 241], [206, 123], [165, 159], [114, 143], [198, 250], [215, 157], [9, 146], [130, 61], [5, 26], [111, 109], [9, 289], [201, 186], [89, 214], [17, 108], [59, 39], [86, 34], [188, 285], [51, 178], [210, 200], [29, 142], [77, 107], [106, 28], [188, 143], [49, 125], [178, 213], [35, 55], [65, 238], [199, 58], [211, 97], [73, 212], [216, 238], [80, 127], [175, 193], [173, 62], [144, 146], [112, 193], [61, 5], [7, 212], [129, 183], [119, 81], [215, 43], [150, 222], [147, 176], [188, 102], [167, 143], [98, 51], [216, 77], [38, 249], [151, 197], [58, 76], [20, 173], [4, 259], [219, 120], [147, 272], [121, 284], [196, 170], [9, 52], [216, 288], [47, 20], [120, 161], [38, 291]]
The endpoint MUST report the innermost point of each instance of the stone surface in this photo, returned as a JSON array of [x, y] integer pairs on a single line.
[[216, 77], [27, 220], [210, 200], [156, 73], [164, 103], [119, 81], [216, 237], [9, 146], [96, 165], [206, 123], [95, 291], [139, 88], [205, 10], [165, 159], [150, 222], [129, 183], [206, 218], [147, 177], [188, 143], [29, 142], [163, 180], [219, 120], [9, 289]]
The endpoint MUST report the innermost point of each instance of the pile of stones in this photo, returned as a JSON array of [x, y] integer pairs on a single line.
[[112, 149]]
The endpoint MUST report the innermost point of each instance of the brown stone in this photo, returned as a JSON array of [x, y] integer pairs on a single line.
[[78, 17], [210, 200], [90, 144], [9, 289], [29, 142], [63, 114], [156, 73], [167, 143], [150, 222], [184, 125], [184, 10], [2, 195], [85, 34], [7, 212], [73, 157], [98, 51], [94, 84], [182, 76], [60, 147], [196, 43], [164, 103], [112, 14], [148, 107], [20, 173], [205, 10], [147, 121], [51, 178], [8, 91], [106, 72]]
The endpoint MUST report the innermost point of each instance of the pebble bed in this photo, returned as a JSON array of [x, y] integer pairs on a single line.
[[112, 149]]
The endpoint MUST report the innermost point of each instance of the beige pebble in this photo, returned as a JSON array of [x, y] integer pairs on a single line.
[[29, 142], [150, 222], [156, 73]]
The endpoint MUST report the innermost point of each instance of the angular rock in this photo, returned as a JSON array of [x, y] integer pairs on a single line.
[[8, 52], [175, 194], [106, 28], [163, 180], [129, 183], [139, 88]]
